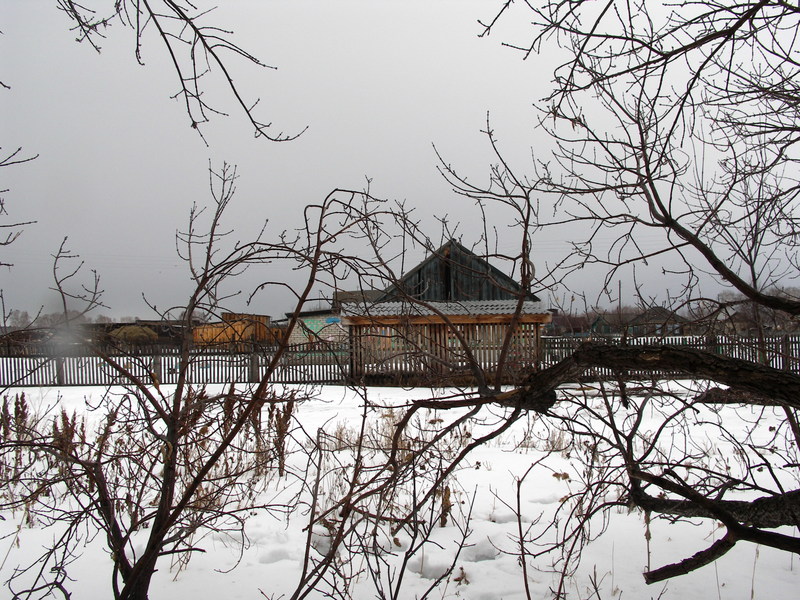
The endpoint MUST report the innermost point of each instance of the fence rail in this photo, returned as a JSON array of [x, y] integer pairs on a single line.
[[44, 365]]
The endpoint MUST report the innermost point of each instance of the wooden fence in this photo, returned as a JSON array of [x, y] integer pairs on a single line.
[[340, 363], [779, 352], [46, 366]]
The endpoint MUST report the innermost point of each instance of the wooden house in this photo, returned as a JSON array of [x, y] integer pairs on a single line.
[[650, 322], [566, 324], [452, 311], [751, 320]]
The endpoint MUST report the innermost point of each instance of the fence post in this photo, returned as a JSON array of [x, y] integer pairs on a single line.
[[60, 370], [355, 355], [254, 376], [157, 368], [785, 349]]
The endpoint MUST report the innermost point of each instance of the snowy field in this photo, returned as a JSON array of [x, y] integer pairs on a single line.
[[269, 562]]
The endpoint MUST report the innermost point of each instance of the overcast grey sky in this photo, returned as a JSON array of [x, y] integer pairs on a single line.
[[377, 83]]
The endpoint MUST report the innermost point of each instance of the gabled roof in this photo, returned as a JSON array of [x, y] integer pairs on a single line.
[[454, 274]]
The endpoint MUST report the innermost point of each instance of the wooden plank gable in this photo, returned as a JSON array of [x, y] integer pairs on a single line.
[[454, 274]]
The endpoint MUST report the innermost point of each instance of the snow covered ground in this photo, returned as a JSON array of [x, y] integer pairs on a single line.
[[488, 567]]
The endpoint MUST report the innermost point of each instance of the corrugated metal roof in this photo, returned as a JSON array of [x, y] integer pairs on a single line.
[[468, 307]]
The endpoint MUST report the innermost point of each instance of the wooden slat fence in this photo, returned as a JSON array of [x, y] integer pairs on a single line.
[[44, 366], [779, 352], [379, 355]]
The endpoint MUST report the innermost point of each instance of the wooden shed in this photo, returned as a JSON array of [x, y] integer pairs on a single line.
[[234, 330], [394, 342], [454, 309]]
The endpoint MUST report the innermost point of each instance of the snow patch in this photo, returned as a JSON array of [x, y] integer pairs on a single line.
[[428, 568], [274, 555], [481, 551]]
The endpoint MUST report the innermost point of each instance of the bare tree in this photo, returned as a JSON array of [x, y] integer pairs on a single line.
[[677, 123], [10, 231], [675, 130], [155, 468], [673, 125], [196, 47]]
